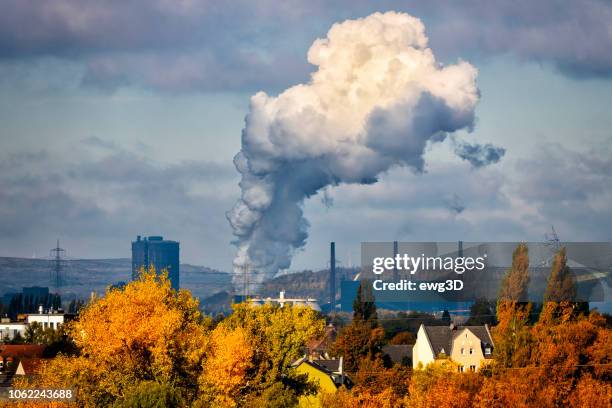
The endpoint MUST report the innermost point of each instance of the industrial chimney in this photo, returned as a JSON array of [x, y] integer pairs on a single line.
[[332, 277], [395, 252]]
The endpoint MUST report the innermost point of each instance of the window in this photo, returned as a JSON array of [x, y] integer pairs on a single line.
[[487, 350], [472, 368], [462, 350], [471, 350], [45, 325], [460, 368]]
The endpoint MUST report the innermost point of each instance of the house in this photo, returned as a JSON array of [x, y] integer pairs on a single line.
[[12, 356], [327, 373], [28, 367], [399, 353], [319, 347], [468, 346]]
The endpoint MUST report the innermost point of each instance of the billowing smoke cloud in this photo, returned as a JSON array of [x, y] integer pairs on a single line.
[[376, 100]]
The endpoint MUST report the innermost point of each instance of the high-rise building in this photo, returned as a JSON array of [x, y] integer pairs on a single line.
[[160, 253]]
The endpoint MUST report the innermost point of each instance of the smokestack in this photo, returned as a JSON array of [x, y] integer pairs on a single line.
[[332, 276], [395, 252], [460, 251]]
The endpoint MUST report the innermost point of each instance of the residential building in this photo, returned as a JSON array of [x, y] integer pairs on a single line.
[[157, 252], [327, 373], [49, 318], [469, 347], [9, 330], [319, 347], [11, 356], [399, 353]]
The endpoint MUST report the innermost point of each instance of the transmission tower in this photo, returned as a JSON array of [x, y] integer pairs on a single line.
[[553, 244], [57, 266]]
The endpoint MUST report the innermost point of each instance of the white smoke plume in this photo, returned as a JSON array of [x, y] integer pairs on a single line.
[[376, 99]]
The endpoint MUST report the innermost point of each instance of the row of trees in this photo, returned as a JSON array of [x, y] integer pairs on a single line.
[[147, 345], [20, 303]]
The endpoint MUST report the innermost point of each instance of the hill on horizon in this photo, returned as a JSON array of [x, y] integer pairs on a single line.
[[82, 276]]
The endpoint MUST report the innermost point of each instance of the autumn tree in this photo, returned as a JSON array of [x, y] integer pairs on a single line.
[[442, 386], [277, 336], [228, 362], [560, 294], [512, 334], [146, 332], [362, 338], [516, 281], [405, 337]]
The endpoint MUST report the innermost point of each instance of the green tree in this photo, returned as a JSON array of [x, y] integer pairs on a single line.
[[150, 394], [276, 396], [481, 312], [364, 305]]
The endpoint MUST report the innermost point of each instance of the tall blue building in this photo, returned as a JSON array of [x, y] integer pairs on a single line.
[[160, 253]]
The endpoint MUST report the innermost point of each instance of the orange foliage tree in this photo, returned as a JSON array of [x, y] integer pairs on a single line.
[[144, 332]]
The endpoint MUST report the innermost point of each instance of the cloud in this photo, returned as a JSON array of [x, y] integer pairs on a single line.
[[569, 189], [201, 45], [97, 203], [479, 155], [455, 204]]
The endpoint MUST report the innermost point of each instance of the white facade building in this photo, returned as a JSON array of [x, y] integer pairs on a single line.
[[50, 319], [8, 329]]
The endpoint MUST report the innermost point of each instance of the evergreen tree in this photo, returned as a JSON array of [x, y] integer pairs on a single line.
[[561, 286], [512, 335], [481, 312], [560, 294], [364, 306], [515, 284]]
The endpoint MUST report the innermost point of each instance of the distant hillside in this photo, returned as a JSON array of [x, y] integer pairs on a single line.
[[306, 283], [86, 275]]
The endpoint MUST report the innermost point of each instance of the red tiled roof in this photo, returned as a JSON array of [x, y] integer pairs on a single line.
[[30, 366], [21, 351]]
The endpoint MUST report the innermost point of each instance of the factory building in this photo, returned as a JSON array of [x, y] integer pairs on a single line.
[[160, 253]]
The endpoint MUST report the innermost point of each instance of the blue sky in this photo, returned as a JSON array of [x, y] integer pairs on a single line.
[[122, 119]]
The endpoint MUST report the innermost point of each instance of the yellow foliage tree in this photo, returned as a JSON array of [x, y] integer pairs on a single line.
[[227, 364], [144, 332], [277, 336]]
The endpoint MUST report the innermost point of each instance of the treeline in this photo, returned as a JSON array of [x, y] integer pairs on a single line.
[[21, 303], [155, 348]]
